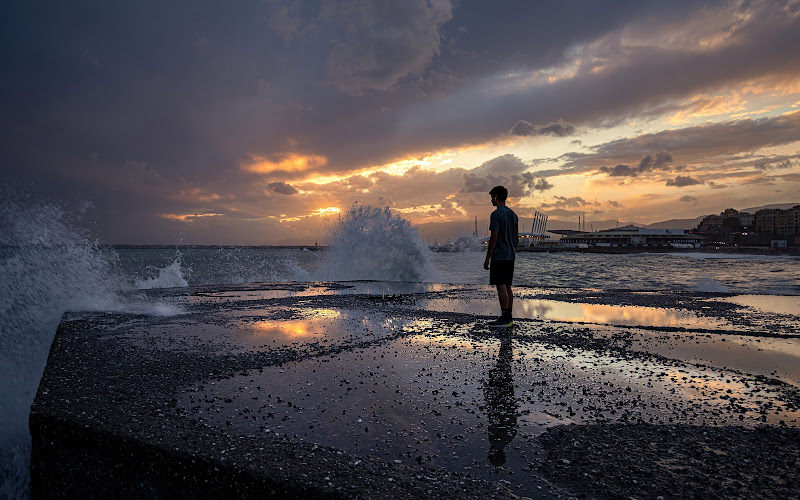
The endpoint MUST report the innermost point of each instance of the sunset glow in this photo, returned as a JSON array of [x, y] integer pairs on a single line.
[[609, 113]]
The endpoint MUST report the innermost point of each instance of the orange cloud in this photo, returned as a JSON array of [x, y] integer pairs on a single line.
[[705, 105], [188, 217], [784, 85], [196, 194], [287, 162]]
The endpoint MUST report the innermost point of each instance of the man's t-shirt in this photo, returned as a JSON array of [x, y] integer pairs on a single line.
[[504, 221]]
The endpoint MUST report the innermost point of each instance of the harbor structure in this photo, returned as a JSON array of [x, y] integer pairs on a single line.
[[630, 236]]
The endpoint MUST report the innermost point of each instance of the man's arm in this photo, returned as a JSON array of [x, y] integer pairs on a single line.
[[490, 250], [516, 236]]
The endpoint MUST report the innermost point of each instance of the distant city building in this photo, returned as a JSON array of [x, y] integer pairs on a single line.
[[709, 223], [766, 221], [730, 213], [787, 222], [632, 236], [747, 220], [778, 222]]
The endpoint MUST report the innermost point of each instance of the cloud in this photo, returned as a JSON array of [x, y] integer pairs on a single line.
[[215, 105], [620, 171], [650, 161], [655, 161], [704, 105], [542, 185], [722, 146], [138, 172], [282, 188], [383, 41], [682, 181], [688, 199], [525, 128], [776, 163], [506, 170], [571, 202], [285, 163], [287, 25], [609, 78]]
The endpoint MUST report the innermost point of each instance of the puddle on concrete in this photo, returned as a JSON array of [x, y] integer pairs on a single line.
[[270, 328], [777, 304], [445, 391], [770, 357], [470, 404], [576, 312]]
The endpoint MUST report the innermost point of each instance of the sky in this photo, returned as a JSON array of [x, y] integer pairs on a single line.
[[263, 122]]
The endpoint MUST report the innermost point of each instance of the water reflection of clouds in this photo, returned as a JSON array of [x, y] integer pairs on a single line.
[[613, 315], [332, 324], [778, 304], [317, 323], [578, 312]]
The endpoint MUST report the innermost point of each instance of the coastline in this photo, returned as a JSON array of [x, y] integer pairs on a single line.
[[791, 252]]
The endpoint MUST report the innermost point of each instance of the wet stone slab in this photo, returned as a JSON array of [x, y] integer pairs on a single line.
[[395, 390]]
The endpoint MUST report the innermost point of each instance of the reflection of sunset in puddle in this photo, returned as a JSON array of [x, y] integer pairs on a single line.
[[613, 315], [578, 312], [315, 324], [778, 304], [732, 393]]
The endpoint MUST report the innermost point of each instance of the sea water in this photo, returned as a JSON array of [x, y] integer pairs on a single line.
[[48, 265], [741, 274]]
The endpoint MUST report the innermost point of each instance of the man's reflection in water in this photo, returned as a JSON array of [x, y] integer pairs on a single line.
[[502, 405]]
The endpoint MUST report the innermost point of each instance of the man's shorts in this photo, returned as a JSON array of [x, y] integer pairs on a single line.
[[501, 272]]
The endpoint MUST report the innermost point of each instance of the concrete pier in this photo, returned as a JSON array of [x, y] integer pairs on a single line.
[[388, 390]]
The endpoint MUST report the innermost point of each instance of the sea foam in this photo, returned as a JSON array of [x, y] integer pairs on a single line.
[[48, 265]]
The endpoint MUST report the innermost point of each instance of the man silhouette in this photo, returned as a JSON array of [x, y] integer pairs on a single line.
[[502, 251]]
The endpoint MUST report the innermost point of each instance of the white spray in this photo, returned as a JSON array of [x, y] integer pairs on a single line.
[[48, 265], [372, 244]]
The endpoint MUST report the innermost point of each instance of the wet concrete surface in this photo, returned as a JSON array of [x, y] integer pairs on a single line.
[[379, 390]]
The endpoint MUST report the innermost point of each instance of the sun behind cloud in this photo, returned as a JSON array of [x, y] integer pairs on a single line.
[[285, 163]]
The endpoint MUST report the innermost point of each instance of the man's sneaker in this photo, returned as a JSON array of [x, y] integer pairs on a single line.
[[502, 322]]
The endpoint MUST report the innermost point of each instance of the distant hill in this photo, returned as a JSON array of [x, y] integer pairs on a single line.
[[677, 223], [591, 225], [692, 223], [780, 206]]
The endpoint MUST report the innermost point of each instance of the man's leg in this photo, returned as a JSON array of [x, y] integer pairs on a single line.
[[503, 296]]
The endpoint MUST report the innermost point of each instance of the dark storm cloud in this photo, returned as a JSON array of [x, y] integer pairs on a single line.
[[282, 188], [216, 83], [682, 181], [627, 87], [383, 41], [525, 128]]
